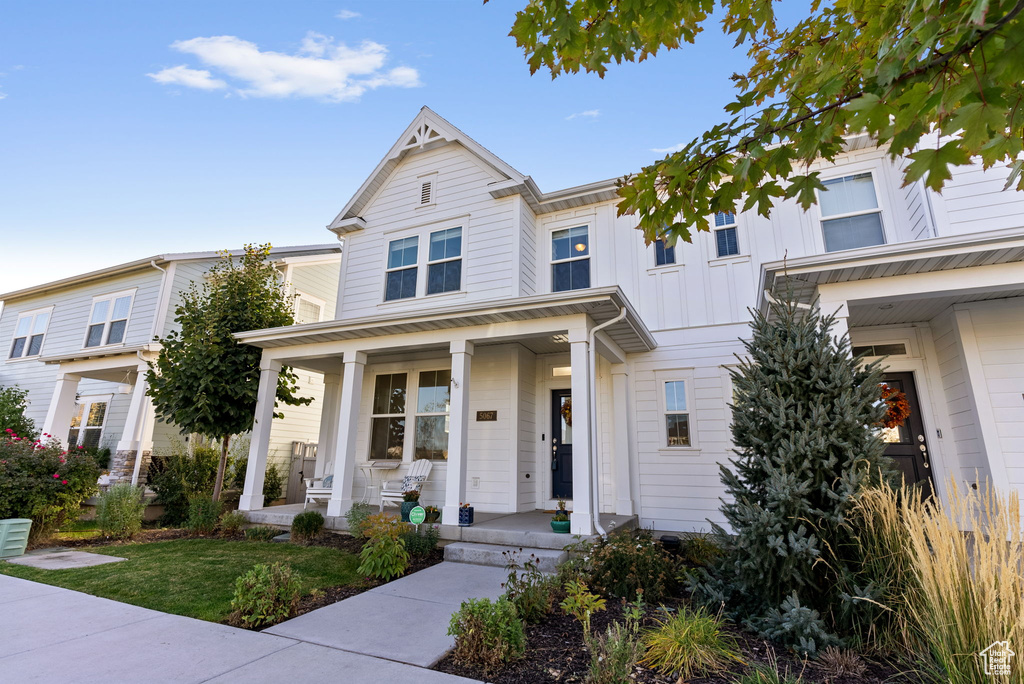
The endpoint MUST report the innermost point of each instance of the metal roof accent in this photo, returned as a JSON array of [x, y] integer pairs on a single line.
[[101, 353], [601, 304]]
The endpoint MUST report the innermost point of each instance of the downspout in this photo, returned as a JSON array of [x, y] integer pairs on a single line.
[[592, 399]]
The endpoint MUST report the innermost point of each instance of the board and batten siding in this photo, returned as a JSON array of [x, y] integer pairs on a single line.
[[462, 199]]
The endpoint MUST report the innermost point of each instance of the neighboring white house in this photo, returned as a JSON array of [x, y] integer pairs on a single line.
[[80, 347], [473, 308]]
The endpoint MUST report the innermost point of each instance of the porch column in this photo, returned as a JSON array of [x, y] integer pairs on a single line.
[[625, 454], [130, 435], [62, 407], [327, 442], [345, 444], [582, 519], [841, 324], [458, 431], [259, 444]]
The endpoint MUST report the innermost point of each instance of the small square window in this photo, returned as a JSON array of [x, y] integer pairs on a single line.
[[663, 255], [726, 242]]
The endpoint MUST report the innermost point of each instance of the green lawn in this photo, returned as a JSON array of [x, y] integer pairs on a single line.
[[192, 577]]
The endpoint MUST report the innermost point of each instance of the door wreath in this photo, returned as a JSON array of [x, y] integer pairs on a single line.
[[566, 411], [897, 406]]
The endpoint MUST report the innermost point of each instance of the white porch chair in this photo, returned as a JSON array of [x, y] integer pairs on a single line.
[[391, 491], [318, 490]]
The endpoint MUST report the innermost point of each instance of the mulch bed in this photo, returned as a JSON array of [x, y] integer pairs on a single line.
[[556, 653], [143, 537]]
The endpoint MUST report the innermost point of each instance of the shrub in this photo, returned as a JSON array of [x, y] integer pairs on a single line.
[[13, 404], [272, 484], [690, 644], [99, 454], [420, 542], [626, 564], [700, 549], [487, 633], [261, 533], [384, 555], [307, 526], [231, 523], [120, 510], [614, 653], [264, 596], [42, 481], [203, 514], [530, 591], [581, 604], [176, 477], [357, 517], [838, 662]]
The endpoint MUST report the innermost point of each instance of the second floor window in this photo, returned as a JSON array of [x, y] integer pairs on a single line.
[[444, 262], [28, 334], [109, 320], [663, 255], [850, 214], [570, 259], [401, 272], [726, 243]]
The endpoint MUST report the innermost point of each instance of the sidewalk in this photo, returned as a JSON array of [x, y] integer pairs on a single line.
[[49, 634]]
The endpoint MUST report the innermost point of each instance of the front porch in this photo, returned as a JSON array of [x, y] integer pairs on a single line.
[[529, 529], [473, 390]]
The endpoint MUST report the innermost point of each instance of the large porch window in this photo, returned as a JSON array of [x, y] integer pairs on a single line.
[[88, 422], [433, 400], [387, 426]]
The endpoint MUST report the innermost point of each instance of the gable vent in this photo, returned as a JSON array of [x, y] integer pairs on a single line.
[[426, 192]]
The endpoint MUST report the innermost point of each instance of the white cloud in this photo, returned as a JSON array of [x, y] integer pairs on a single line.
[[3, 95], [667, 150], [193, 78], [347, 14], [590, 113], [320, 68]]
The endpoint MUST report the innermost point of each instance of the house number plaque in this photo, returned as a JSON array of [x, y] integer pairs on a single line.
[[486, 416]]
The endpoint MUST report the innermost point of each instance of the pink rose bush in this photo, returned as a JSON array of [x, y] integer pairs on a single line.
[[42, 481]]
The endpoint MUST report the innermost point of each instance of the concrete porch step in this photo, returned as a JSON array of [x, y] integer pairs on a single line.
[[495, 555]]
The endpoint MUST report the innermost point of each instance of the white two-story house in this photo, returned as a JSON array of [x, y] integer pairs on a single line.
[[80, 347], [534, 348]]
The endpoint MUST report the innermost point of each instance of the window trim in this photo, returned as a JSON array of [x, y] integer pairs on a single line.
[[879, 209], [416, 414], [111, 297], [300, 295], [28, 338], [686, 376], [387, 270], [588, 256], [87, 401], [404, 416], [429, 263]]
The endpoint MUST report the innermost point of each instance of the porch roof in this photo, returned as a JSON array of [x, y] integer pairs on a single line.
[[601, 304], [103, 352], [805, 274]]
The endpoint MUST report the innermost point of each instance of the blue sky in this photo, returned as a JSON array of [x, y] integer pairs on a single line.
[[136, 128]]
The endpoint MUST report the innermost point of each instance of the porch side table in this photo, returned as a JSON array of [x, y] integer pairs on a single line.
[[369, 468]]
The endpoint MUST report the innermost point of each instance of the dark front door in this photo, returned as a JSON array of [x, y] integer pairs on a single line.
[[906, 444], [561, 444]]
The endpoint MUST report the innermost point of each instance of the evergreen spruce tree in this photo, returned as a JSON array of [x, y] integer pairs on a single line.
[[804, 415]]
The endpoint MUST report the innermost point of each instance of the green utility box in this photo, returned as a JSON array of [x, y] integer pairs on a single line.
[[14, 536]]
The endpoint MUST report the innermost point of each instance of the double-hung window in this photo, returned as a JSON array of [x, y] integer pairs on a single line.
[[433, 397], [87, 422], [570, 259], [663, 254], [401, 272], [850, 214], [109, 319], [387, 424], [677, 415], [726, 242], [28, 333], [308, 309], [444, 261]]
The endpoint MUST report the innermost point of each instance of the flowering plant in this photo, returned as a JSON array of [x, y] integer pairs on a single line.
[[41, 480], [897, 406], [411, 496]]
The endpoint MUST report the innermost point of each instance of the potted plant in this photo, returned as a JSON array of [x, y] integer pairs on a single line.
[[465, 515], [433, 514], [410, 500], [560, 521]]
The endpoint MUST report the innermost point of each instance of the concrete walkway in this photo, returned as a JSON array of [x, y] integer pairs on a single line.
[[405, 620], [49, 634]]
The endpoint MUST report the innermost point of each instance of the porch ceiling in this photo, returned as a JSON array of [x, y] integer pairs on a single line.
[[601, 304], [891, 312], [804, 275], [112, 364]]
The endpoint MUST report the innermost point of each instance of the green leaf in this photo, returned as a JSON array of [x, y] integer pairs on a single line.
[[935, 163]]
